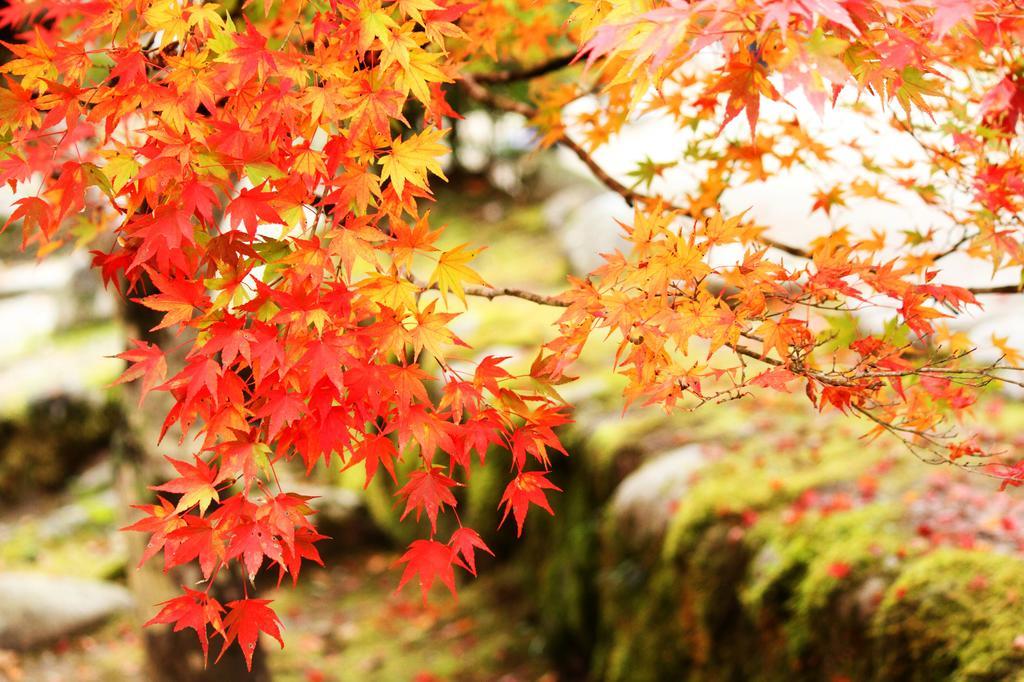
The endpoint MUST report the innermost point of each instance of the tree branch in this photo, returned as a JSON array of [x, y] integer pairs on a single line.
[[494, 292], [1005, 289], [485, 96], [513, 75]]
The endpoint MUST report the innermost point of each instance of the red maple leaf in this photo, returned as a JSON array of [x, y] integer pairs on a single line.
[[527, 487], [177, 298], [148, 362], [195, 484], [427, 491], [375, 450], [464, 541], [245, 621], [196, 610], [250, 207], [430, 560], [254, 540], [161, 520]]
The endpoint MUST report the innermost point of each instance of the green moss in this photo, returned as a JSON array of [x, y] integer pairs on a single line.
[[92, 550], [953, 614], [506, 322], [612, 434], [748, 480], [679, 618], [693, 605], [814, 582], [799, 555], [508, 229]]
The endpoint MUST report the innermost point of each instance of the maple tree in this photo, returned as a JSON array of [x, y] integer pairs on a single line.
[[261, 176]]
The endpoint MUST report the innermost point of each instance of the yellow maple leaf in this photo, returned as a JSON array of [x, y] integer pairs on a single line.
[[166, 18], [375, 23], [1011, 356], [420, 72], [431, 332], [451, 272], [392, 291], [414, 8], [120, 170], [410, 160]]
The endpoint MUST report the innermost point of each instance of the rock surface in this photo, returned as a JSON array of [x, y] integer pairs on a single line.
[[645, 499], [37, 609]]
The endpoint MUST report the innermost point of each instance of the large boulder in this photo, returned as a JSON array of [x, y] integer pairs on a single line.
[[643, 504], [807, 556], [37, 609]]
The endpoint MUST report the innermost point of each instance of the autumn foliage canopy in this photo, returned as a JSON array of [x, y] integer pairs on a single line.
[[262, 176]]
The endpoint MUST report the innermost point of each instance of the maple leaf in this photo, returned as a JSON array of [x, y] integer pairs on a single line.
[[427, 491], [1003, 105], [525, 489], [432, 333], [197, 539], [246, 619], [949, 13], [177, 297], [777, 378], [196, 610], [838, 570], [149, 363], [299, 339], [161, 520], [195, 484], [374, 450], [429, 560], [281, 409], [451, 272], [1011, 356], [746, 80], [303, 547], [250, 207], [411, 159], [253, 540], [488, 373], [406, 240], [464, 541], [252, 54], [647, 170], [242, 458], [35, 214], [825, 201]]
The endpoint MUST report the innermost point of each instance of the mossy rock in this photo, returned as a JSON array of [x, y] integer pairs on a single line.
[[54, 439], [743, 586], [954, 614], [814, 587]]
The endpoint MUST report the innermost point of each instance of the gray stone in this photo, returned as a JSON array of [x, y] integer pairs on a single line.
[[37, 609], [643, 501]]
